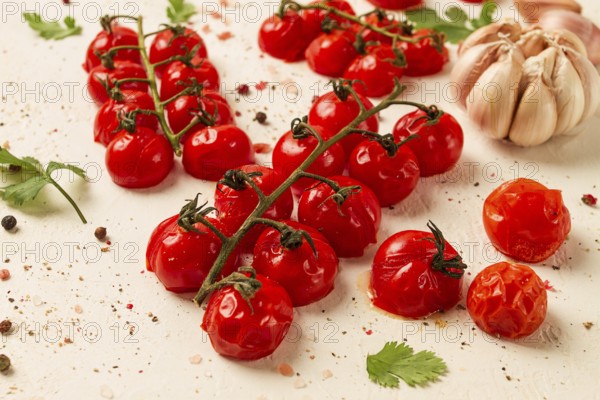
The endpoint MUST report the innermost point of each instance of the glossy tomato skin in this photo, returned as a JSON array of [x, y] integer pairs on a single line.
[[241, 333], [438, 147], [182, 259], [392, 179], [330, 54], [177, 76], [305, 276], [139, 160], [289, 153], [313, 19], [283, 38], [182, 110], [333, 114], [375, 71], [422, 59], [349, 229], [525, 220], [104, 41], [168, 43], [396, 4], [121, 70], [403, 280], [209, 152], [106, 124], [507, 300]]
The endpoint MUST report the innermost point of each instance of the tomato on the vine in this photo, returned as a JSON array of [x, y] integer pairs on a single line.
[[121, 70], [313, 18], [350, 226], [525, 220], [307, 275], [283, 38], [209, 152], [175, 41], [416, 273], [240, 332], [178, 75], [140, 159], [105, 40], [330, 53], [209, 104], [422, 58], [380, 20], [396, 4], [508, 300]]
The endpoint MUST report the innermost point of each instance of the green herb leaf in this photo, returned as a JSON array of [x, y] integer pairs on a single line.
[[33, 177], [52, 30], [179, 11], [398, 361]]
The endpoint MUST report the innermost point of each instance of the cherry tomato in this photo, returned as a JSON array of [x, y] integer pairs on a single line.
[[106, 124], [140, 159], [181, 259], [210, 151], [313, 19], [177, 76], [333, 114], [392, 179], [507, 299], [380, 20], [422, 58], [331, 53], [182, 110], [104, 41], [396, 4], [525, 220], [283, 38], [175, 42], [438, 146], [121, 70], [306, 276], [410, 279], [240, 332], [289, 153], [351, 227], [375, 70]]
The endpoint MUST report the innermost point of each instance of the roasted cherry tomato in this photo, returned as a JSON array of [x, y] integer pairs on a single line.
[[209, 152], [289, 153], [507, 299], [392, 178], [106, 124], [140, 159], [288, 258], [121, 70], [525, 220], [416, 273], [106, 40], [333, 114], [438, 142], [240, 332], [178, 41], [313, 19], [283, 38], [396, 4], [331, 53], [181, 258], [211, 105], [349, 227], [178, 75], [422, 58]]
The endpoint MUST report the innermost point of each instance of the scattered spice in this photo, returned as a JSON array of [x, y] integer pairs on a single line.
[[5, 326], [4, 274], [260, 117], [588, 325], [196, 359], [262, 148], [78, 309], [262, 85], [9, 222], [129, 306], [299, 383], [589, 200], [243, 89], [4, 363], [225, 35], [548, 286], [285, 369], [100, 233], [327, 374], [369, 332]]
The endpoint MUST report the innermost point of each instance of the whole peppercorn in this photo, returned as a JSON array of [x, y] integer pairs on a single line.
[[4, 363], [260, 117], [5, 326], [100, 233], [9, 222]]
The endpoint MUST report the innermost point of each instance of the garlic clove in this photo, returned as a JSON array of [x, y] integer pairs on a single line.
[[569, 93], [590, 81], [532, 43], [566, 38], [491, 33], [543, 64]]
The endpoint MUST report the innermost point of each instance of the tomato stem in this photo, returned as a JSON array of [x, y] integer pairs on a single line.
[[453, 267]]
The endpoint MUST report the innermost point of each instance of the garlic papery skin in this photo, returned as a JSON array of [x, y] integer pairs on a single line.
[[590, 80], [569, 93], [532, 43], [491, 33], [531, 10]]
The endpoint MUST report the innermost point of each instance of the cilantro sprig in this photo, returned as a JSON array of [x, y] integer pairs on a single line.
[[33, 177], [456, 24], [399, 361], [179, 11], [52, 29]]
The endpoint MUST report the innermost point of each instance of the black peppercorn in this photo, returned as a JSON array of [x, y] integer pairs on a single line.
[[9, 222]]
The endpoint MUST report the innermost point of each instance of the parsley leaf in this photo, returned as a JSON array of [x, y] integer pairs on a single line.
[[33, 177], [398, 361], [456, 25], [52, 30], [179, 11]]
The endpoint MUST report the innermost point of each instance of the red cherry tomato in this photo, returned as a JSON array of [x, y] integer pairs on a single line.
[[313, 19], [410, 279], [289, 153], [375, 70], [333, 114], [177, 76], [525, 220], [283, 38], [508, 300], [380, 20], [140, 159], [210, 151], [331, 53], [306, 276], [175, 42], [181, 259], [437, 147], [351, 227], [104, 41], [182, 110], [106, 124], [422, 58], [240, 332], [121, 70], [392, 179], [396, 4]]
